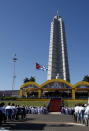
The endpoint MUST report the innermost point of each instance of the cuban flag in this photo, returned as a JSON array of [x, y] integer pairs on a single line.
[[38, 66]]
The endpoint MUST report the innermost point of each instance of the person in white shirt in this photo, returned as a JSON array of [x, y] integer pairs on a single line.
[[8, 111], [87, 110], [86, 115], [76, 111], [14, 111]]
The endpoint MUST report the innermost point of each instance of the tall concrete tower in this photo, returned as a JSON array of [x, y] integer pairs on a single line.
[[58, 59]]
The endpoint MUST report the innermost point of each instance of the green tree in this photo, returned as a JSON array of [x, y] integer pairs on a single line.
[[86, 78]]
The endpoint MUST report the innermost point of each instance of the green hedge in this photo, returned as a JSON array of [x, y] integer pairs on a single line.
[[8, 98], [72, 103]]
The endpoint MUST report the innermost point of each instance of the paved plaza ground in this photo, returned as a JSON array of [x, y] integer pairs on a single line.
[[49, 122]]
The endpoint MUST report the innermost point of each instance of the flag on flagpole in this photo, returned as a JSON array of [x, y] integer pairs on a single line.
[[40, 67]]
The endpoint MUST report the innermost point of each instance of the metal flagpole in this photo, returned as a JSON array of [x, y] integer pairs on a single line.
[[14, 73]]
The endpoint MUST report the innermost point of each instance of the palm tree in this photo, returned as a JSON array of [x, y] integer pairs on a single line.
[[29, 79], [32, 79], [26, 80]]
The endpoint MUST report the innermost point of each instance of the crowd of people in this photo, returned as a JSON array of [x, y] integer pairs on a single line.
[[80, 113], [67, 110], [16, 112]]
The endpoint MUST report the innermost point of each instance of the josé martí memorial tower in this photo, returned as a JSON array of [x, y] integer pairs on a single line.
[[58, 57]]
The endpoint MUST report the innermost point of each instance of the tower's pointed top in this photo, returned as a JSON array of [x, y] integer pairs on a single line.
[[57, 13]]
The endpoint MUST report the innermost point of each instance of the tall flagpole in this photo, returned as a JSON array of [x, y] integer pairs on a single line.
[[14, 73]]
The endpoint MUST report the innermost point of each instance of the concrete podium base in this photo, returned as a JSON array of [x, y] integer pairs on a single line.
[[55, 113]]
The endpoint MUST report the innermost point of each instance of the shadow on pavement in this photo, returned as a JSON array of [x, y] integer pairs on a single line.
[[23, 126], [61, 125], [31, 126]]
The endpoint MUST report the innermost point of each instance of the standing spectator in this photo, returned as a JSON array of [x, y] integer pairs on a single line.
[[14, 111], [9, 111], [76, 110], [86, 115], [2, 113]]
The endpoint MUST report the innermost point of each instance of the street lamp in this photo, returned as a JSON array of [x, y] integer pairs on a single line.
[[14, 74]]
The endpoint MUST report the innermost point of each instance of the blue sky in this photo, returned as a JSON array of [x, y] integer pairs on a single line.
[[25, 30]]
